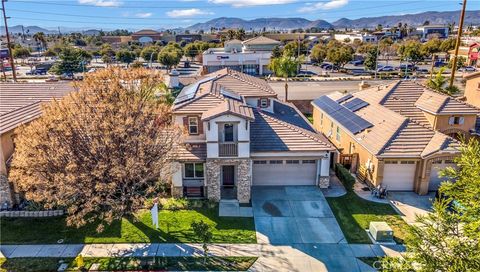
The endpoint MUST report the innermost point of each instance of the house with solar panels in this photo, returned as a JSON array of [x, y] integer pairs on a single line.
[[239, 135], [398, 136]]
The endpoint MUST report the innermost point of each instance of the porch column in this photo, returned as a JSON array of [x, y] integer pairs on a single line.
[[324, 179]]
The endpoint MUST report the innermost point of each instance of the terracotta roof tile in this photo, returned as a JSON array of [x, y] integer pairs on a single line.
[[229, 106]]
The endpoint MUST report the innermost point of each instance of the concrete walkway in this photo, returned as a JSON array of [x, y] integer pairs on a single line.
[[336, 188], [295, 257]]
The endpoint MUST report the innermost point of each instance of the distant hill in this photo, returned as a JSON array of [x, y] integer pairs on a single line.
[[259, 24], [445, 17], [27, 29], [440, 18]]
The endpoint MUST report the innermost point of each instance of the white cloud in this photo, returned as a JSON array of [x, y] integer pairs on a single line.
[[333, 4], [245, 3], [101, 3], [143, 14], [187, 12]]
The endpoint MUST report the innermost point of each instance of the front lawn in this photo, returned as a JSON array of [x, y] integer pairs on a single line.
[[354, 214], [132, 264], [174, 227]]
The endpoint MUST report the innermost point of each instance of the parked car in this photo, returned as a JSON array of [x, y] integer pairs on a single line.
[[422, 70], [357, 62], [386, 69], [67, 76], [36, 72], [405, 67], [469, 69], [439, 64], [307, 73], [358, 72], [330, 67]]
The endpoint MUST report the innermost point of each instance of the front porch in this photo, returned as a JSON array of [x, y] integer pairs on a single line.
[[228, 179]]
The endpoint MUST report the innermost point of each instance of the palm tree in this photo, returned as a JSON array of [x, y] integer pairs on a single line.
[[39, 37], [285, 67]]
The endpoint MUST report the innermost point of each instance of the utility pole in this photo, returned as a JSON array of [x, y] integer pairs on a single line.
[[9, 44], [457, 44]]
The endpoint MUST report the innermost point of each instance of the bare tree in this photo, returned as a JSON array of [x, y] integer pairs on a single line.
[[101, 151]]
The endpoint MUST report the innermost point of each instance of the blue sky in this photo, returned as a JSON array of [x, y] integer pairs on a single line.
[[138, 14]]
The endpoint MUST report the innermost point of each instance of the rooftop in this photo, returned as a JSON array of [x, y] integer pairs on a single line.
[[21, 102]]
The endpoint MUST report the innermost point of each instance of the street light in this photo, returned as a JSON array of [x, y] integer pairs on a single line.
[[378, 51]]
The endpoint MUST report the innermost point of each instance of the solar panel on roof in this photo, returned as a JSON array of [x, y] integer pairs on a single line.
[[355, 104], [230, 94], [342, 115], [189, 91], [343, 98]]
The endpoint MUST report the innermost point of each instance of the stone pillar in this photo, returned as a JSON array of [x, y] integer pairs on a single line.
[[244, 181], [5, 192], [213, 170], [177, 191], [324, 179]]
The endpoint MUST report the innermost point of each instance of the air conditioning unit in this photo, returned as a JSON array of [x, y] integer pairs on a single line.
[[381, 232]]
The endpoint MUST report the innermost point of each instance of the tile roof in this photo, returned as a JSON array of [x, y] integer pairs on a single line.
[[443, 104], [21, 102], [269, 134], [229, 106], [191, 152], [261, 40], [400, 130]]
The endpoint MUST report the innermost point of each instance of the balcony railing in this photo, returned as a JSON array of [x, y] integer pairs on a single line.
[[228, 149]]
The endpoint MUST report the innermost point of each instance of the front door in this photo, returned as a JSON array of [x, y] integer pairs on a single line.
[[228, 175]]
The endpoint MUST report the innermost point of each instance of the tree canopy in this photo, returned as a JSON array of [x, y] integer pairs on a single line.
[[170, 55], [412, 51], [100, 151], [71, 60]]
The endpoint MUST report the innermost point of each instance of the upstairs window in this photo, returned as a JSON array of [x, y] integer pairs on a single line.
[[193, 125], [338, 134], [228, 132], [264, 103], [456, 120]]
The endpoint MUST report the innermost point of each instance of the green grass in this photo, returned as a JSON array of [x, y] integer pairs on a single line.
[[354, 215], [309, 117], [131, 264], [174, 227], [369, 260]]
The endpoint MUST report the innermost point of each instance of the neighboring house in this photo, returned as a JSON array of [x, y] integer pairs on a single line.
[[188, 38], [20, 104], [472, 89], [240, 135], [428, 31], [397, 136], [251, 56]]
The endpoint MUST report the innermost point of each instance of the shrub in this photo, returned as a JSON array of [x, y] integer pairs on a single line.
[[345, 177], [174, 204]]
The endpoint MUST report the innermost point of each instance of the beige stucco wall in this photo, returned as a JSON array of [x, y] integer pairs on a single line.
[[6, 150], [472, 91]]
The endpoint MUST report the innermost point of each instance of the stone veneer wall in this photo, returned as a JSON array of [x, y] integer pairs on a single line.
[[5, 191], [243, 178], [324, 182]]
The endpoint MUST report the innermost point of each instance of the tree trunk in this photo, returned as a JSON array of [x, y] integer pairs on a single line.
[[286, 89]]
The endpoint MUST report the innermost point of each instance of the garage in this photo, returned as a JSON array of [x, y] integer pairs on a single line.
[[275, 172], [437, 167], [399, 175]]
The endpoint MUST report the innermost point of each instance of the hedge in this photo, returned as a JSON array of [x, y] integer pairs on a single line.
[[345, 177]]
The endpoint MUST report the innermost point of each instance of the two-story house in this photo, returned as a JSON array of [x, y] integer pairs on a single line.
[[399, 136], [239, 135]]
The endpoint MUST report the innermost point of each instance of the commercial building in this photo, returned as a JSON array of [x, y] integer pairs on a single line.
[[250, 57]]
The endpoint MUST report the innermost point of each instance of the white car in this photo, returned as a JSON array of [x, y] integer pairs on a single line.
[[470, 69]]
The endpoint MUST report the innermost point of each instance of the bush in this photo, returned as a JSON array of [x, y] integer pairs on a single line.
[[174, 204], [345, 177]]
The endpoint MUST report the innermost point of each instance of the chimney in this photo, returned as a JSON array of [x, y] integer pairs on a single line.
[[172, 79]]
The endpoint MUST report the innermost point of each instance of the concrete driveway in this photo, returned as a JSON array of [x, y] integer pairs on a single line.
[[286, 215], [410, 205]]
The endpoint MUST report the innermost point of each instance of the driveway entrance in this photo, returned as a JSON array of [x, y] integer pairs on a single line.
[[286, 215]]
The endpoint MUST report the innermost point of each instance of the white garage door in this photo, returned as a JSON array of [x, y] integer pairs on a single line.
[[284, 172], [399, 175], [437, 167]]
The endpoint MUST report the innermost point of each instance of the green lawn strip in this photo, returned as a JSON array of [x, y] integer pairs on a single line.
[[354, 213], [132, 264], [174, 227]]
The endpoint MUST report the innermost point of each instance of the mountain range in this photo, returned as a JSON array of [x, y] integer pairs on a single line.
[[443, 18]]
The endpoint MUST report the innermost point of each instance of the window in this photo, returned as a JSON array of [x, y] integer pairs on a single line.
[[259, 162], [292, 161], [263, 103], [338, 134], [276, 162], [193, 125], [308, 161], [437, 162], [456, 120], [321, 119], [228, 132], [407, 162], [449, 161], [193, 170], [391, 162]]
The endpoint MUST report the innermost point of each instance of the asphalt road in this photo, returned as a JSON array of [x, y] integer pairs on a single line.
[[306, 90]]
